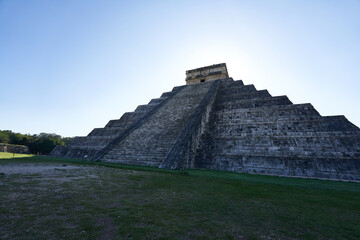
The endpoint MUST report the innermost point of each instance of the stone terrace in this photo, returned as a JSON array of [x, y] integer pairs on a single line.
[[225, 125]]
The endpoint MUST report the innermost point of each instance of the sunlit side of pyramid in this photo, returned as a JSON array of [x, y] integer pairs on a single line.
[[214, 122]]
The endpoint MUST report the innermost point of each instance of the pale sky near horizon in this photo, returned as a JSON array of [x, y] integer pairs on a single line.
[[68, 66]]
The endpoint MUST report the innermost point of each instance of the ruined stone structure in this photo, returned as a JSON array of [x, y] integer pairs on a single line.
[[214, 122], [14, 148], [206, 74]]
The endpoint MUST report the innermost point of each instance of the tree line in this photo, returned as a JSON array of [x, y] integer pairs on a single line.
[[42, 143]]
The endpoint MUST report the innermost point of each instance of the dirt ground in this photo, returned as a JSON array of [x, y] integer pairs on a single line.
[[35, 196]]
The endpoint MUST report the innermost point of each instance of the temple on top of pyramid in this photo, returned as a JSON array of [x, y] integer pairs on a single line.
[[214, 122], [206, 74]]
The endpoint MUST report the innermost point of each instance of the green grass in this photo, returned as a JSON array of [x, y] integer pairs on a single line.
[[108, 201], [13, 156]]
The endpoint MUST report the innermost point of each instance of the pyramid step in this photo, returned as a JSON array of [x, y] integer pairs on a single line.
[[268, 111], [146, 107], [281, 127], [262, 94], [253, 103], [156, 100], [229, 83]]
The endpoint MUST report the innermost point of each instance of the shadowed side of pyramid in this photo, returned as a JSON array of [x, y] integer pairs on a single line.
[[251, 131]]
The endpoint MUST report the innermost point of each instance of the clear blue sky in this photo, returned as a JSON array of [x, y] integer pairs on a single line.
[[67, 67]]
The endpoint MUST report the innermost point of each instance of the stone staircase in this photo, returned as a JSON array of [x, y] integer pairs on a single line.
[[150, 143], [251, 131], [98, 139]]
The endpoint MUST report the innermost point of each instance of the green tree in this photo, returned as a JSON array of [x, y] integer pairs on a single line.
[[42, 143], [4, 138]]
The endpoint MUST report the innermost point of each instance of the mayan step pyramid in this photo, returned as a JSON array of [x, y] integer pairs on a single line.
[[214, 122]]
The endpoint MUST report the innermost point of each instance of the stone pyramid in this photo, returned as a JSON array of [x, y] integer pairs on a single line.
[[214, 122]]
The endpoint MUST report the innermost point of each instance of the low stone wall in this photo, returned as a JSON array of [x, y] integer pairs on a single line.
[[14, 148]]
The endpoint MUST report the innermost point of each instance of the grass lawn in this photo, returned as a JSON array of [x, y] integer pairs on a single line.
[[51, 198], [11, 155]]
